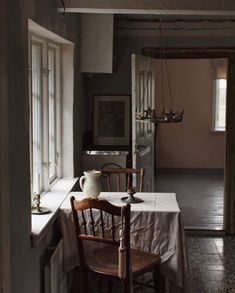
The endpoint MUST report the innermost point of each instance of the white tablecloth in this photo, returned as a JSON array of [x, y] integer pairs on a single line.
[[155, 227]]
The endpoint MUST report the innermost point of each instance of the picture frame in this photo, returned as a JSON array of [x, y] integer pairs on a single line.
[[111, 120]]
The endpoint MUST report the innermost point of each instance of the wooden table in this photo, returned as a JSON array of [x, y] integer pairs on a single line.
[[155, 227]]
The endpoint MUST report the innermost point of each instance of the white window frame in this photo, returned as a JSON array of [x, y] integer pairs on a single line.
[[216, 109], [57, 111], [43, 182], [219, 69]]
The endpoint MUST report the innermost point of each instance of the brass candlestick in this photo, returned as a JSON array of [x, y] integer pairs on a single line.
[[37, 210], [131, 190]]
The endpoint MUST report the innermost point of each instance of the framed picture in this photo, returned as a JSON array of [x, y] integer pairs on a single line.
[[111, 123]]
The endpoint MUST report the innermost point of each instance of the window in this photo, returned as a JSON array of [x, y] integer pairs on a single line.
[[220, 92], [45, 99], [220, 104]]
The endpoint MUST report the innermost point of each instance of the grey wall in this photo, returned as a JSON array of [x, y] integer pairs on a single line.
[[120, 82], [4, 169], [21, 263]]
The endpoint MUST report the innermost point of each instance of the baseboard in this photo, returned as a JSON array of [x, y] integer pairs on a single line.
[[203, 233], [190, 171]]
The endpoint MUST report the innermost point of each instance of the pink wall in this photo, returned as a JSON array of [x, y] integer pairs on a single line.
[[189, 144]]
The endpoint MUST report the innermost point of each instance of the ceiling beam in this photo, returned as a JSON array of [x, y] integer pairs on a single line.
[[179, 7]]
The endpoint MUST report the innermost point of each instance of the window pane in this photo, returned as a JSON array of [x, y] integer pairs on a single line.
[[45, 113], [36, 114], [52, 112], [221, 89]]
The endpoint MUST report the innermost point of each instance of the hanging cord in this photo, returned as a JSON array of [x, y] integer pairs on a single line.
[[150, 66], [166, 64], [161, 58]]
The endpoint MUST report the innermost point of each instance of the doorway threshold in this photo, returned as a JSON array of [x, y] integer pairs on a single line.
[[203, 232]]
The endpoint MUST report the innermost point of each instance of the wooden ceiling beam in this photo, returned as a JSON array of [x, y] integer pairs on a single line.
[[179, 7]]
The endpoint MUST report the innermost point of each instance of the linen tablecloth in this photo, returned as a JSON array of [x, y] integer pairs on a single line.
[[155, 227]]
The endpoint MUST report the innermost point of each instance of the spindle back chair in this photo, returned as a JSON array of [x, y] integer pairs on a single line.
[[86, 229], [89, 220], [109, 172]]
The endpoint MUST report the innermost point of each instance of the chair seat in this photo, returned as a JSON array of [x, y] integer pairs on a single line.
[[105, 261]]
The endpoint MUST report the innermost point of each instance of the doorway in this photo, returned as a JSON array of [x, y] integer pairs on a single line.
[[217, 185], [191, 155]]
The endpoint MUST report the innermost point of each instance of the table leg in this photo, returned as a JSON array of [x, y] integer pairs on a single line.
[[161, 283]]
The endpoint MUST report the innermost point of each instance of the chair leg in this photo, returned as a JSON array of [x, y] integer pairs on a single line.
[[75, 275], [159, 281], [109, 286], [84, 280], [126, 285], [99, 284]]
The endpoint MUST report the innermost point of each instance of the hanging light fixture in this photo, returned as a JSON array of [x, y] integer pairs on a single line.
[[166, 116]]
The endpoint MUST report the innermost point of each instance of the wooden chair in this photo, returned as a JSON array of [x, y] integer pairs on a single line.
[[110, 172], [104, 261]]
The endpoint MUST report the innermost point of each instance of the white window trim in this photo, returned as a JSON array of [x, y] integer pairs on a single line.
[[60, 188], [58, 112], [219, 69], [45, 182], [31, 42], [215, 129]]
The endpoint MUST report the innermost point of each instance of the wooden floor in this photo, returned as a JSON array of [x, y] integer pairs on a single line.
[[200, 196]]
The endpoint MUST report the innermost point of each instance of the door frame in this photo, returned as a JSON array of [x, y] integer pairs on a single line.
[[229, 170], [147, 141]]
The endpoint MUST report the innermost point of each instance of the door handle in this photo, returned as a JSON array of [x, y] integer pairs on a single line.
[[139, 147]]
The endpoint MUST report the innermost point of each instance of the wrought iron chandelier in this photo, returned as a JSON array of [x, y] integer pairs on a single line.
[[165, 116]]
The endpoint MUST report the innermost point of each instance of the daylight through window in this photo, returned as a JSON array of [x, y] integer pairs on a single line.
[[220, 112], [45, 139], [220, 93]]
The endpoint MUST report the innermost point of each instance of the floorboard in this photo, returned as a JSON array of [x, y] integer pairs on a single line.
[[200, 196]]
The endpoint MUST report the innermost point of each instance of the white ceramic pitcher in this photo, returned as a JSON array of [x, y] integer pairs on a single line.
[[90, 183]]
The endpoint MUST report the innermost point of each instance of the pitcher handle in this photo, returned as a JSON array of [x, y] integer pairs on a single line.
[[82, 182]]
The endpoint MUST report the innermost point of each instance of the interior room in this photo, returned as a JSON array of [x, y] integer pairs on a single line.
[[92, 85], [191, 155]]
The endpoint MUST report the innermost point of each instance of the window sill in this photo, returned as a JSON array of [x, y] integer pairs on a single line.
[[218, 131], [51, 200]]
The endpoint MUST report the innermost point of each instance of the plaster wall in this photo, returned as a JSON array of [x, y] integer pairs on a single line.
[[23, 264], [190, 144], [120, 83]]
